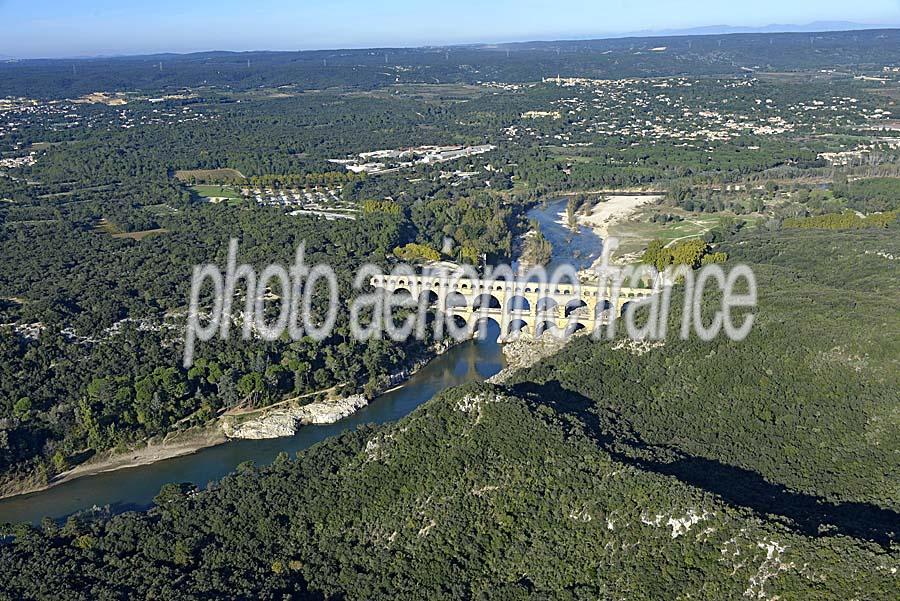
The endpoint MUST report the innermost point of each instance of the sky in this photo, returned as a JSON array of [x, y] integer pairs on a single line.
[[69, 28]]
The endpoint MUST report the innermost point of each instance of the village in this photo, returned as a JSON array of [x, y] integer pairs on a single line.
[[385, 161]]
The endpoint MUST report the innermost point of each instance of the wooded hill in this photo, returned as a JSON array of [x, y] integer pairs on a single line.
[[762, 469]]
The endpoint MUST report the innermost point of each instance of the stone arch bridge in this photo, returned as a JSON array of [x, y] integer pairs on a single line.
[[520, 308]]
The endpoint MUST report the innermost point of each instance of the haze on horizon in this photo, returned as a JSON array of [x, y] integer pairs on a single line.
[[102, 27]]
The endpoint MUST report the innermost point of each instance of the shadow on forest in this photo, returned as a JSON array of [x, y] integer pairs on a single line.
[[803, 513]]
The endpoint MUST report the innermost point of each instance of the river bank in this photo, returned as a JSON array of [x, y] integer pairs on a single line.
[[156, 449], [282, 420], [525, 353], [285, 420], [614, 211], [134, 489], [583, 248]]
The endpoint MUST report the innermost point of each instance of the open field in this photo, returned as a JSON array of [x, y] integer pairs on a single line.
[[801, 76], [110, 228], [635, 233], [35, 146], [641, 231], [208, 175], [216, 193]]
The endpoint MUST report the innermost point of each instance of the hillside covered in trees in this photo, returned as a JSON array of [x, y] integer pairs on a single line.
[[762, 469]]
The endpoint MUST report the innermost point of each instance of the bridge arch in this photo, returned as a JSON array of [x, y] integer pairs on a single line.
[[574, 305], [486, 301], [455, 300], [429, 297], [546, 304], [402, 292], [574, 327], [482, 328], [518, 303], [625, 308], [459, 323], [601, 308], [517, 327], [543, 328]]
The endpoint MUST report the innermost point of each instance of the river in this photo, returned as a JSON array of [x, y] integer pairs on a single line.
[[579, 249], [134, 488]]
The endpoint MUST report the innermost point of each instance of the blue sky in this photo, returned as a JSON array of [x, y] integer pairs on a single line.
[[49, 28]]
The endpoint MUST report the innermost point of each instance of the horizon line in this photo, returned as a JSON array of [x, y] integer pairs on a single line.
[[678, 33]]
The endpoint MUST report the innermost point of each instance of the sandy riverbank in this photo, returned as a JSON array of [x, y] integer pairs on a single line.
[[175, 445], [282, 418], [615, 210], [274, 422]]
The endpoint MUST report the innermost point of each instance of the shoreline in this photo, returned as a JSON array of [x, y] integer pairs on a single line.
[[175, 445], [188, 442], [616, 210]]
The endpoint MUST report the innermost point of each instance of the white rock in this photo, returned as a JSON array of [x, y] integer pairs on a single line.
[[284, 421]]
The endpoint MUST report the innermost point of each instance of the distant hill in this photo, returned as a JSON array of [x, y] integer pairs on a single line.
[[817, 26], [687, 55]]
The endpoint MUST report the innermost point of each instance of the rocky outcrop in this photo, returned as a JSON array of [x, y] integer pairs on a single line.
[[272, 424], [285, 420], [331, 411], [525, 352]]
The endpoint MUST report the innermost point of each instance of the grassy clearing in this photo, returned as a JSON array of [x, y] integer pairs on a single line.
[[71, 192], [107, 228], [160, 209], [140, 235], [110, 228], [213, 191], [637, 232], [426, 92], [208, 175], [45, 145]]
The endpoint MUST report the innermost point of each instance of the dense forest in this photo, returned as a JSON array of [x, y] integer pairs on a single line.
[[69, 387], [759, 469]]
